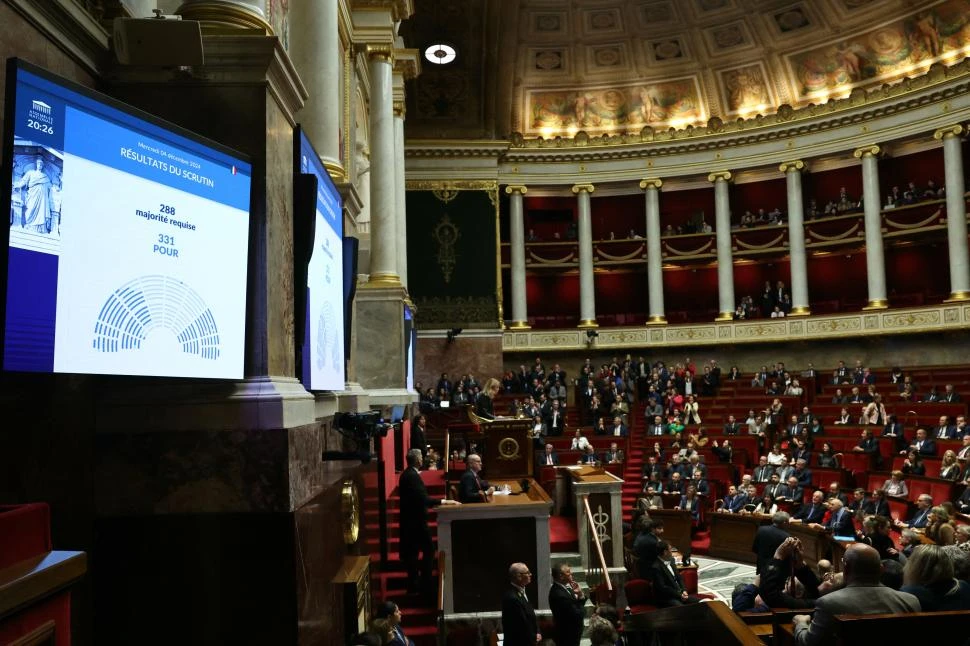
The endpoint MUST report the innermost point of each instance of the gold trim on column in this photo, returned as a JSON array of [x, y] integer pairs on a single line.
[[519, 325], [958, 297], [579, 188], [516, 188], [725, 316], [949, 131], [379, 52], [400, 110], [866, 151], [382, 280], [657, 320], [587, 324], [799, 311], [336, 172], [213, 14], [792, 166], [721, 174], [877, 304], [651, 182]]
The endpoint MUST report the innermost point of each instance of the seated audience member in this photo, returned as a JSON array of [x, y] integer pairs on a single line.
[[895, 486], [802, 473], [908, 540], [775, 455], [791, 491], [826, 457], [589, 456], [913, 465], [691, 502], [668, 587], [963, 537], [733, 501], [676, 484], [835, 491], [549, 458], [943, 429], [701, 484], [928, 575], [767, 506], [844, 417], [875, 532], [657, 427], [840, 519], [921, 517], [652, 472], [863, 594], [723, 450], [858, 503], [764, 471], [812, 512], [652, 499], [839, 398], [784, 469], [579, 443], [785, 568], [938, 527], [963, 503], [949, 468], [878, 506], [922, 445], [732, 427]]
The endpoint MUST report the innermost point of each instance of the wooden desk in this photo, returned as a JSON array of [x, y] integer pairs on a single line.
[[732, 535], [676, 527], [481, 541]]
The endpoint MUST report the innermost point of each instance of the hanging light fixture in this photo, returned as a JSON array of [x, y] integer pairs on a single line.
[[441, 51]]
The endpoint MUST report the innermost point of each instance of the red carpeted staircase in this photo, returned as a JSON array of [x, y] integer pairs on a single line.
[[419, 613]]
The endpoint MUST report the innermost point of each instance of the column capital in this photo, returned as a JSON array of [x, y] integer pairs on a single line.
[[721, 174], [867, 151], [792, 166], [378, 52], [579, 188], [407, 63], [400, 109], [651, 182], [516, 188], [949, 131]]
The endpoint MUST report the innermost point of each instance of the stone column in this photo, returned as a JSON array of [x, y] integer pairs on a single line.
[[248, 14], [722, 226], [383, 194], [796, 237], [875, 258], [316, 52], [587, 296], [655, 270], [400, 195], [520, 318], [956, 213]]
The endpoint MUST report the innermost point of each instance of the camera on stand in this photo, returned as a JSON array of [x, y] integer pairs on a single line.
[[359, 428]]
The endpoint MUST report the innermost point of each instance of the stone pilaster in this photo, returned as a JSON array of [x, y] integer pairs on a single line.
[[956, 212], [520, 319], [875, 257], [796, 237], [655, 276], [725, 263], [587, 288]]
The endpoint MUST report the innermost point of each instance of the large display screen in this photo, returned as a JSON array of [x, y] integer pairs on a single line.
[[128, 240], [323, 345]]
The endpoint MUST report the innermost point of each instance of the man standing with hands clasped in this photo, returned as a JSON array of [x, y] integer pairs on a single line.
[[566, 601], [518, 618]]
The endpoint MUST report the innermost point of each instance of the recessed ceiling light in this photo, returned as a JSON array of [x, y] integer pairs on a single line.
[[440, 54]]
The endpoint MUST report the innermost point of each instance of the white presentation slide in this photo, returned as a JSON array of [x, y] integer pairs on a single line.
[[326, 322], [151, 279]]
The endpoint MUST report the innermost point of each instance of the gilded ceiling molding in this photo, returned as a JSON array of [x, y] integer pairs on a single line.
[[407, 63], [399, 9], [453, 185]]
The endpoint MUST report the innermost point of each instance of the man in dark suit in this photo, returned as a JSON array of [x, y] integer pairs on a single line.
[[863, 594], [773, 487], [646, 545], [840, 519], [471, 488], [555, 420], [735, 502], [733, 427], [763, 472], [668, 587], [878, 506], [949, 395], [657, 428], [415, 535], [869, 446], [518, 618], [619, 428], [922, 445], [567, 603], [943, 430], [921, 516], [614, 455], [811, 513], [769, 537], [549, 458]]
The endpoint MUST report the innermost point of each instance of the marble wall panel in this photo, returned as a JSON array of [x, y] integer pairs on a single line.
[[378, 354], [479, 355]]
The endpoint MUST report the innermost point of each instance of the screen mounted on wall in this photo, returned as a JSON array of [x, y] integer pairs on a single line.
[[127, 247]]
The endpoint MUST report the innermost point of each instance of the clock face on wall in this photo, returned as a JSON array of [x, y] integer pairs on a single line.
[[350, 511]]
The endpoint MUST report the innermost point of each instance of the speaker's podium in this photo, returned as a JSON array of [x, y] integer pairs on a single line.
[[481, 540]]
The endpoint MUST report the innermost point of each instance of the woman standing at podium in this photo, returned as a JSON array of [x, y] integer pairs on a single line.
[[485, 405]]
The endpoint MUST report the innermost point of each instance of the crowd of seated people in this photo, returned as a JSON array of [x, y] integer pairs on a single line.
[[912, 194], [775, 302]]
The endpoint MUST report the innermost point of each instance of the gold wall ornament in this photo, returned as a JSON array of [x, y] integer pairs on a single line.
[[350, 511], [508, 449], [445, 195], [446, 234]]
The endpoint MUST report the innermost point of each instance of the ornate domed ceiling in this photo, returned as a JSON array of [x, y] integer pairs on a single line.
[[555, 67]]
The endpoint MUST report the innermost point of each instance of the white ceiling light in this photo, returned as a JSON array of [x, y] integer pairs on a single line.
[[440, 54]]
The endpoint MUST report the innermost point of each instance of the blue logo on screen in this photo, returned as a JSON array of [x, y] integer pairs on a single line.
[[40, 117], [136, 309]]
